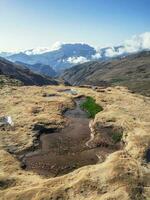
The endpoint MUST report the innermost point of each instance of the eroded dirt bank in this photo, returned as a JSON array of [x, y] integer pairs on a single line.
[[125, 174]]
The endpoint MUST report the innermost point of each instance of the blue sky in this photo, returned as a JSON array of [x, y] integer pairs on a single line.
[[28, 24]]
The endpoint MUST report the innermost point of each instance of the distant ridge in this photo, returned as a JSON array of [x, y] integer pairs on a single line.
[[40, 68], [65, 55], [132, 71], [23, 74]]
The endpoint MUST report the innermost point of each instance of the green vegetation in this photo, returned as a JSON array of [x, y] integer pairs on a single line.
[[116, 80], [4, 80], [117, 137], [1, 82], [91, 107]]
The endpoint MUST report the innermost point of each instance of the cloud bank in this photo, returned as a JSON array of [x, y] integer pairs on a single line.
[[75, 54], [77, 60], [135, 44], [41, 50], [96, 56], [38, 50]]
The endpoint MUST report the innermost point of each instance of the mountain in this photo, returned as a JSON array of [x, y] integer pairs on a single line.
[[59, 59], [132, 71], [40, 68], [20, 57], [62, 55], [23, 74]]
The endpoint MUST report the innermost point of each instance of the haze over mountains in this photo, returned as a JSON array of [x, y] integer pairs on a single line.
[[63, 55]]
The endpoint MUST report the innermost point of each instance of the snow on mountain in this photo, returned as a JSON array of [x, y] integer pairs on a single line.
[[6, 54], [76, 60], [59, 56], [35, 51], [41, 50], [62, 55]]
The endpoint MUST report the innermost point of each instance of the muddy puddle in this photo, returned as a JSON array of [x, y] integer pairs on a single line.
[[63, 151], [148, 155]]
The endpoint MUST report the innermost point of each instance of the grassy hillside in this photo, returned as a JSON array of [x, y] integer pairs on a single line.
[[132, 71], [23, 74]]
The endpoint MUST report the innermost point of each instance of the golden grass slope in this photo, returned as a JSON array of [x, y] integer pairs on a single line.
[[123, 175]]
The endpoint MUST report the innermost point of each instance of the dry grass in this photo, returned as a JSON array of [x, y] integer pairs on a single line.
[[124, 175]]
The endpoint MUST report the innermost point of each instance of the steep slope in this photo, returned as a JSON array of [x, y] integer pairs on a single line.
[[23, 74], [131, 71], [40, 68]]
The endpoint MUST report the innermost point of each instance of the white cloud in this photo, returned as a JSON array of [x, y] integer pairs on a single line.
[[111, 52], [96, 56], [135, 44], [57, 45], [138, 42], [39, 50], [77, 60]]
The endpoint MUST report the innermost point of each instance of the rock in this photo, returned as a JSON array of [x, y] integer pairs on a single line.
[[74, 92], [23, 165], [4, 121]]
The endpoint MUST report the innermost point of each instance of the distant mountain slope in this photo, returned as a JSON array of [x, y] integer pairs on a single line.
[[61, 58], [40, 68], [27, 77], [61, 55], [132, 71]]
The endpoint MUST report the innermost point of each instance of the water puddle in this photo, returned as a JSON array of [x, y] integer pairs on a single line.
[[68, 91], [63, 151], [148, 156]]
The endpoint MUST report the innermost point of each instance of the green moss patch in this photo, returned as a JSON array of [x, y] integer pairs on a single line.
[[116, 137], [91, 107]]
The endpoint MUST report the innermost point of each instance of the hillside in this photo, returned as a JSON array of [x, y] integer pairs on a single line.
[[23, 74], [132, 71], [40, 69]]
